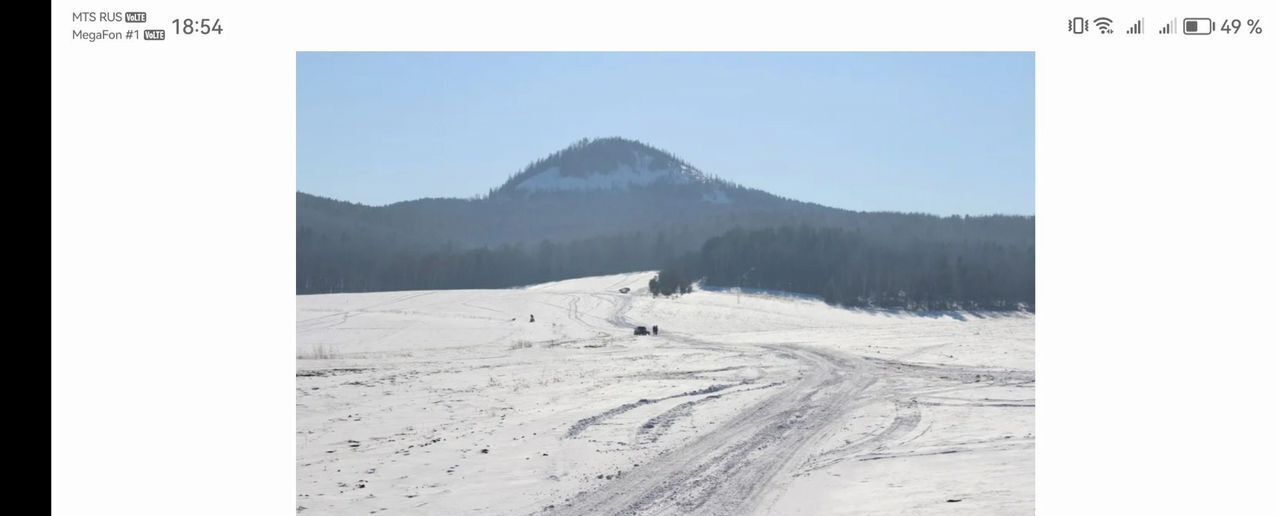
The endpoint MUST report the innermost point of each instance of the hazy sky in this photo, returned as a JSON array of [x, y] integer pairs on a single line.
[[945, 133]]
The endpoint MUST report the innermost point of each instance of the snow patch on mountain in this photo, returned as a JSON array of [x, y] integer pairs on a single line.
[[622, 177], [716, 196]]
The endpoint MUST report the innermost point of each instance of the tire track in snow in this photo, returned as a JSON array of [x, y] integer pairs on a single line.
[[585, 423], [906, 418], [726, 472], [659, 425]]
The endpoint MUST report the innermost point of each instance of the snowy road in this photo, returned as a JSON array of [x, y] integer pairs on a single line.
[[453, 402], [727, 470]]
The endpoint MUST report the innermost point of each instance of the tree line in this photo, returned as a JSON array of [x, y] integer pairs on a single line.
[[850, 268], [352, 261], [844, 267]]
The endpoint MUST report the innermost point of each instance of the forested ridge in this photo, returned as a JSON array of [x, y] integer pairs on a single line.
[[848, 268], [690, 228]]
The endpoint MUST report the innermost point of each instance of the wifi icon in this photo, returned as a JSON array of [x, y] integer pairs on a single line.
[[1103, 24]]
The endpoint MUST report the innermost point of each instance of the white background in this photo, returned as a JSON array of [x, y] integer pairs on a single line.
[[1158, 328]]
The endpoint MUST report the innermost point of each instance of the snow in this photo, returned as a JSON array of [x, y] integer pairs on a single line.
[[445, 402], [622, 177], [716, 196]]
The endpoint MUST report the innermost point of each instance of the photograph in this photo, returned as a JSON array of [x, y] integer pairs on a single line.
[[641, 283], [713, 258]]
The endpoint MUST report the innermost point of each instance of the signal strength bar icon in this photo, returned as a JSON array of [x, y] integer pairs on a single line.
[[1136, 28], [1169, 27]]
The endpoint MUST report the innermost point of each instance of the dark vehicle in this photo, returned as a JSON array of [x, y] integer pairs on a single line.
[[641, 330], [624, 290]]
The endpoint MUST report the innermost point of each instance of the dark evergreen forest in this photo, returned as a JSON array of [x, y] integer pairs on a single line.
[[848, 268]]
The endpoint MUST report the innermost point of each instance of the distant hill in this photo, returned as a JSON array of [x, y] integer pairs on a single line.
[[610, 165], [596, 207]]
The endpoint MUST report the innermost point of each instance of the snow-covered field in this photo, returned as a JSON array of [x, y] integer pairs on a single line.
[[453, 402]]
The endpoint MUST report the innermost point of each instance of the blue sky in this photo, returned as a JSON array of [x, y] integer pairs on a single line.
[[944, 133]]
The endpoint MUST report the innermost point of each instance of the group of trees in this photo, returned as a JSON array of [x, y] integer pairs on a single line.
[[887, 260], [849, 268], [671, 281], [844, 267], [347, 261]]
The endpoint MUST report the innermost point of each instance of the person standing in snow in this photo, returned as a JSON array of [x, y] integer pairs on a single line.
[[530, 317]]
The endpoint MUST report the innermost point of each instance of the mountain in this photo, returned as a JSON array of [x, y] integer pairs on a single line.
[[611, 165], [599, 206]]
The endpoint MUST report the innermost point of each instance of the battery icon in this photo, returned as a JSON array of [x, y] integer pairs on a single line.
[[1197, 26]]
